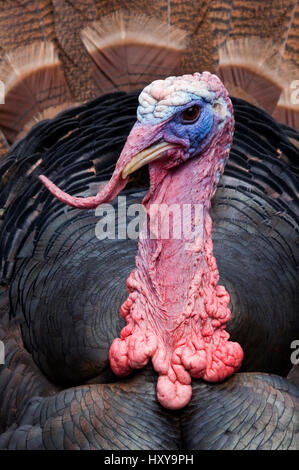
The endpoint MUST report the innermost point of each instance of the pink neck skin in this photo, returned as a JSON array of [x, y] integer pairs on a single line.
[[176, 312]]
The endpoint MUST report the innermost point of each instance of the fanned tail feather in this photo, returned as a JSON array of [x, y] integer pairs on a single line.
[[33, 82], [257, 49], [287, 109], [70, 17], [24, 22], [289, 49], [103, 49], [129, 51], [251, 64]]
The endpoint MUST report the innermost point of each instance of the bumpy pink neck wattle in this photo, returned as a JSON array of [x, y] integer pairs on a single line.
[[176, 311]]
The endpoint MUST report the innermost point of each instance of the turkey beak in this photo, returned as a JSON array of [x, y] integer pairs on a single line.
[[148, 140], [147, 155]]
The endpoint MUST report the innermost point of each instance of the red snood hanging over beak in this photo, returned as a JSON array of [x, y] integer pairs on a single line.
[[176, 312], [140, 138]]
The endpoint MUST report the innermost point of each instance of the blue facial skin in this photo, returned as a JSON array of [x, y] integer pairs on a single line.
[[194, 136]]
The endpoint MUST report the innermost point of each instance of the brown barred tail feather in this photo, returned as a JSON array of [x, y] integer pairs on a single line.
[[256, 48], [289, 48], [103, 47], [287, 109], [33, 82], [70, 17], [129, 51], [252, 65], [24, 22]]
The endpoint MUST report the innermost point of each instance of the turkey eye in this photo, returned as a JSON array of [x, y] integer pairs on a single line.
[[190, 115]]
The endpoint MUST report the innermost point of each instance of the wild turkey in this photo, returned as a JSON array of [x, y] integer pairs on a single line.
[[66, 287]]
